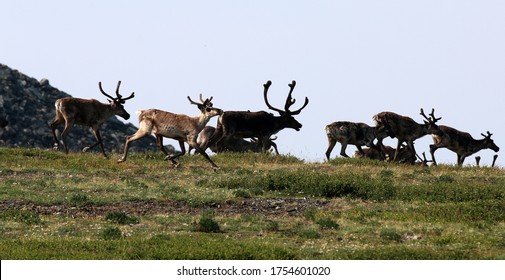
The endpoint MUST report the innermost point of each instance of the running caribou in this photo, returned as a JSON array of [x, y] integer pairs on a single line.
[[358, 134], [176, 126], [462, 143], [405, 129], [260, 125], [87, 112]]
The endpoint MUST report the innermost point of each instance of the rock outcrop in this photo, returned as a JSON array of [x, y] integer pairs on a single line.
[[27, 108]]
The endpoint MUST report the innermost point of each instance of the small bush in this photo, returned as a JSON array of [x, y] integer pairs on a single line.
[[207, 223], [446, 178], [309, 234], [80, 200], [327, 224], [272, 226], [121, 218], [28, 218], [111, 233], [242, 193], [386, 174], [391, 235]]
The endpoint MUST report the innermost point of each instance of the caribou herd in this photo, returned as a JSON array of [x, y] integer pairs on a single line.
[[240, 131]]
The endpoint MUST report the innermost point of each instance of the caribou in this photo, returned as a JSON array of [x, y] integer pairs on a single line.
[[386, 153], [87, 112], [462, 143], [260, 125], [405, 129], [176, 126], [358, 134], [232, 143]]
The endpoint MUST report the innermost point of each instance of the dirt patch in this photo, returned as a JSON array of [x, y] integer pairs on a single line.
[[257, 206]]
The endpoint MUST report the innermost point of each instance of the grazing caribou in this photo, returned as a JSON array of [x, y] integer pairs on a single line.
[[358, 134], [462, 143], [232, 143], [406, 129], [176, 126], [87, 112], [260, 125]]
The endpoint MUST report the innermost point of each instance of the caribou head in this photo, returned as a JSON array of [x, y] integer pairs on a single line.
[[286, 114], [116, 103]]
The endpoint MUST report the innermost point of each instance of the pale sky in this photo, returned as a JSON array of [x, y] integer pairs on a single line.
[[352, 59]]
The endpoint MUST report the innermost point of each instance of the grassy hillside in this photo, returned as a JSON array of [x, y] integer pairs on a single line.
[[81, 206]]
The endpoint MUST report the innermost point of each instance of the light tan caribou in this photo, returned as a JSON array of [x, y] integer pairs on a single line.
[[87, 112], [176, 126]]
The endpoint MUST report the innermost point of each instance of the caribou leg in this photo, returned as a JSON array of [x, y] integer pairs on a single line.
[[494, 160], [331, 145], [433, 148], [98, 137]]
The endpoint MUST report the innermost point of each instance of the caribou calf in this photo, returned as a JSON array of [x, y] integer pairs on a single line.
[[462, 143], [87, 112], [358, 134], [176, 126]]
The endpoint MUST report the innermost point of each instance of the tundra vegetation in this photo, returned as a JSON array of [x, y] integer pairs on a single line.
[[257, 206]]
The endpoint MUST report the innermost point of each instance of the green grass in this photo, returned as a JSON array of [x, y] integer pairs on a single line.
[[256, 206]]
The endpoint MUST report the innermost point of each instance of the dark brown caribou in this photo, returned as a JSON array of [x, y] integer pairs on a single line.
[[87, 112], [386, 153], [232, 143], [260, 125], [358, 134], [462, 143], [405, 129]]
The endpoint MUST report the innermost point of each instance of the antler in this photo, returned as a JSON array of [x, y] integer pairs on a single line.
[[119, 97], [265, 92], [104, 93], [432, 115], [432, 119], [193, 102], [205, 102], [489, 134], [424, 160], [299, 110], [117, 90], [289, 101]]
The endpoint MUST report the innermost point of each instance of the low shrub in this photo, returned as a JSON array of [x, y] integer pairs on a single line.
[[207, 223], [121, 218]]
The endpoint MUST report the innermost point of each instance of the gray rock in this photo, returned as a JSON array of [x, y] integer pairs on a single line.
[[27, 108]]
